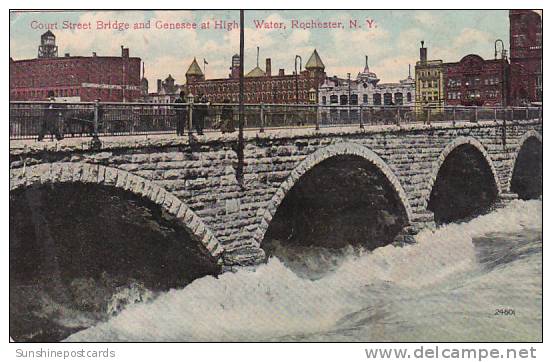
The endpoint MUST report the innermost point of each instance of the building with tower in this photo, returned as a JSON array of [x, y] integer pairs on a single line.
[[525, 56], [365, 89], [429, 82], [194, 73], [47, 47], [260, 86], [75, 78]]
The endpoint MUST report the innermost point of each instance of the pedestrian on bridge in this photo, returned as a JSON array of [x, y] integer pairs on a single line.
[[227, 117], [181, 114], [53, 113], [199, 113]]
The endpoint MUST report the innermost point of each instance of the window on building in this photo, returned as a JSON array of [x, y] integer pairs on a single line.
[[409, 97], [333, 99], [354, 99], [387, 99], [343, 99], [365, 98], [519, 40], [377, 99], [323, 99], [398, 98]]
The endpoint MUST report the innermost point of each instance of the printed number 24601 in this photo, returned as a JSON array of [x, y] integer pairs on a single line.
[[505, 311]]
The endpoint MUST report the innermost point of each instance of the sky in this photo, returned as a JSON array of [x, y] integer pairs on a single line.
[[390, 38]]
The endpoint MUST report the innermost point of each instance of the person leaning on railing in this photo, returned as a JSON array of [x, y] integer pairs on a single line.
[[199, 113], [227, 118], [51, 119], [181, 114]]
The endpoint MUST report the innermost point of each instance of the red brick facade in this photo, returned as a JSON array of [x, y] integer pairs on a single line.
[[474, 81], [259, 86], [265, 89], [525, 56], [110, 79]]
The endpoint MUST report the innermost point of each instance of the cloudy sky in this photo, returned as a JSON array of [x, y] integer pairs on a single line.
[[391, 42]]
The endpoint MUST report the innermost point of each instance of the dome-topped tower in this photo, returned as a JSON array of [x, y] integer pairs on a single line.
[[366, 75], [409, 80], [194, 73]]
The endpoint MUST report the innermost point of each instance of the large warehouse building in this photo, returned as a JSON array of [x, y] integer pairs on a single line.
[[75, 78]]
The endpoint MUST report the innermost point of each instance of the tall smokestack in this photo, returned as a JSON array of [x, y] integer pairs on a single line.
[[423, 53], [268, 67]]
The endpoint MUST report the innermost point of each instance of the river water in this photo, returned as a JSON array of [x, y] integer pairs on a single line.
[[480, 280]]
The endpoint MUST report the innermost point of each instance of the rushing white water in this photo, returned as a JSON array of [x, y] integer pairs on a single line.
[[446, 287]]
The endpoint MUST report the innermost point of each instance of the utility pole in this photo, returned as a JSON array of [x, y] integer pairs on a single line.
[[239, 171]]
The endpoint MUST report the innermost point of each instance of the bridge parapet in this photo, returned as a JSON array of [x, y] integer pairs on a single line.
[[200, 172], [104, 119]]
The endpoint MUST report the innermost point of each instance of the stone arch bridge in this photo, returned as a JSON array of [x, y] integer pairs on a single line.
[[195, 182]]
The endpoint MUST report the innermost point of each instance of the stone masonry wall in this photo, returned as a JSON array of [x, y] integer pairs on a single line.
[[234, 217]]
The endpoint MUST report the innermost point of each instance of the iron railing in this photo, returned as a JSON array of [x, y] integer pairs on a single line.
[[29, 119]]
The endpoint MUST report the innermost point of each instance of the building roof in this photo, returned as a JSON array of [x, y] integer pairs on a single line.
[[314, 61], [366, 75], [256, 72], [47, 33], [194, 69]]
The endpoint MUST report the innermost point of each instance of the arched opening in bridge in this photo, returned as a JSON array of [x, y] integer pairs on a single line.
[[342, 202], [79, 253], [527, 175], [464, 187]]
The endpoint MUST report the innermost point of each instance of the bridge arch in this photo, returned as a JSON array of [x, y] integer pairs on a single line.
[[438, 163], [528, 135], [70, 172], [344, 149], [525, 173], [463, 181]]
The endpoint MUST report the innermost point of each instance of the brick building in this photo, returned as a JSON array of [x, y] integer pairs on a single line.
[[429, 80], [75, 78], [525, 56], [474, 81], [260, 86]]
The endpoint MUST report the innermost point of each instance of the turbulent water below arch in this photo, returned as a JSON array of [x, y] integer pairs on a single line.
[[449, 286]]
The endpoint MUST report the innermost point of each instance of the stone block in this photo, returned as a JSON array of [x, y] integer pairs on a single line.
[[121, 179], [160, 197], [232, 206]]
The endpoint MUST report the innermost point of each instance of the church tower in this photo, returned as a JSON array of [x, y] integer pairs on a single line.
[[194, 73], [315, 67]]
